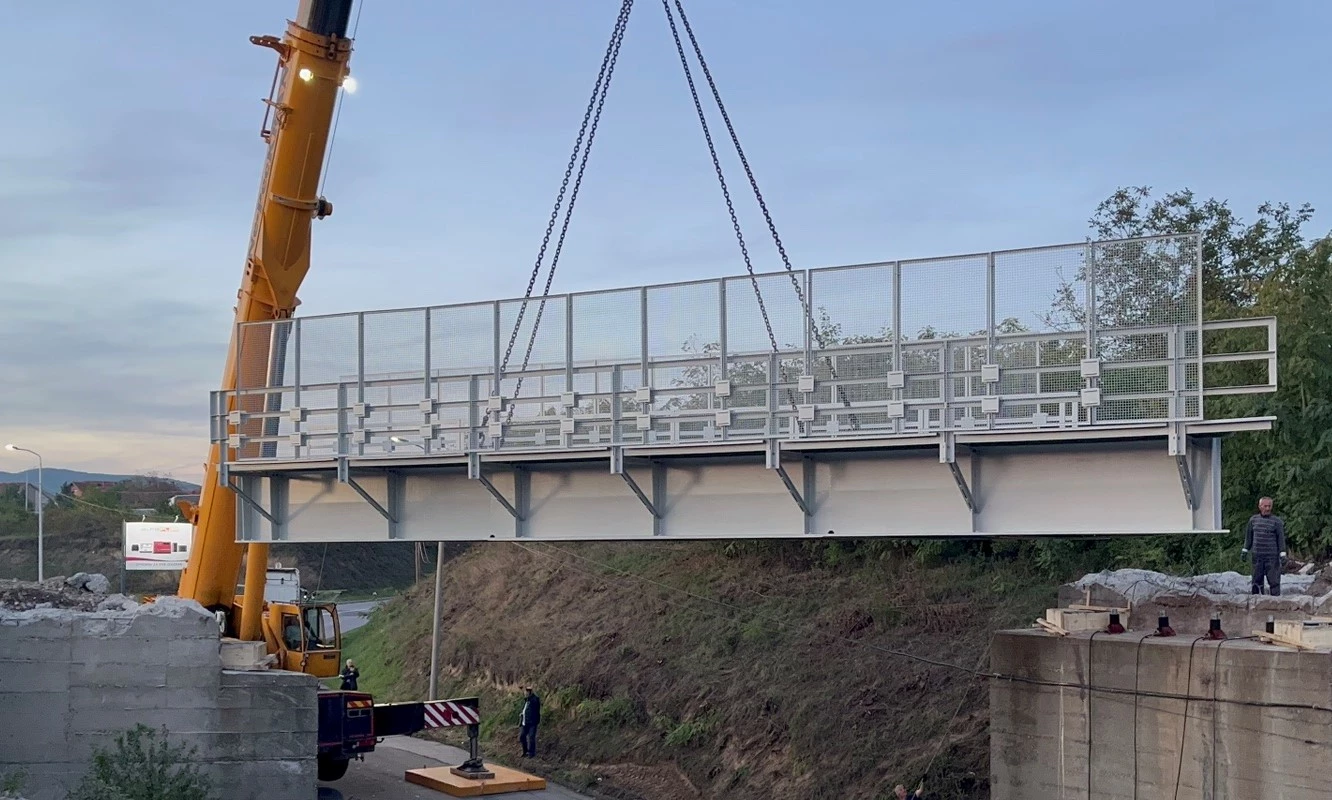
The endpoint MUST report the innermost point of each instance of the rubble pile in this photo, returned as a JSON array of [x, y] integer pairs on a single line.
[[81, 591], [1141, 585], [1189, 602]]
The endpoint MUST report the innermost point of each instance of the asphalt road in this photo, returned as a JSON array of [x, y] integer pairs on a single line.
[[353, 615], [380, 775]]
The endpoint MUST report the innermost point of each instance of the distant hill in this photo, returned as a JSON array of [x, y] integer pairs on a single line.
[[54, 478]]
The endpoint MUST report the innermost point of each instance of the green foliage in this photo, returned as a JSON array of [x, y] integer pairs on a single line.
[[614, 712], [143, 766], [12, 783], [694, 732]]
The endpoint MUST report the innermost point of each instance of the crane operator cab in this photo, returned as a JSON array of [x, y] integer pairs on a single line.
[[304, 636], [310, 640]]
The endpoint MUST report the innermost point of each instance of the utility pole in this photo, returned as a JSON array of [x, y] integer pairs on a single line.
[[41, 496], [434, 625]]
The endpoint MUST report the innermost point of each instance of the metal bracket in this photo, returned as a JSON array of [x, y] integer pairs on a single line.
[[774, 462], [1186, 479], [263, 512], [1178, 445], [617, 468], [344, 476], [948, 455], [474, 472]]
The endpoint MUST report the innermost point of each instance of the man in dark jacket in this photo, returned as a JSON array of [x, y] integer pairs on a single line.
[[1265, 539], [350, 675], [528, 720]]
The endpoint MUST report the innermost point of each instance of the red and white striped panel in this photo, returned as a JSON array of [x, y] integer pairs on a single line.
[[449, 713]]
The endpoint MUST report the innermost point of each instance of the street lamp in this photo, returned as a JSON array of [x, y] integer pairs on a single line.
[[41, 497], [400, 440]]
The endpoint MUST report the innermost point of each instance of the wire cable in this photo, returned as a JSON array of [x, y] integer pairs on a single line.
[[1184, 727], [337, 114]]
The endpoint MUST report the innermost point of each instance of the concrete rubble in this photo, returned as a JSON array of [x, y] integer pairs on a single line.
[[78, 666], [1190, 602]]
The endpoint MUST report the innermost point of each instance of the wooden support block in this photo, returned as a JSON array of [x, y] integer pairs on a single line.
[[1106, 609], [1050, 627], [506, 780], [1075, 620], [1311, 632], [1276, 638]]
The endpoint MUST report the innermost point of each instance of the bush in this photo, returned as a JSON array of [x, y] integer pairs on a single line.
[[143, 766]]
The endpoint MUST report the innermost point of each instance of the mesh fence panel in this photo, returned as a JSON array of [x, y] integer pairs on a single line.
[[462, 340], [328, 349], [607, 327], [1141, 284], [745, 331], [944, 298], [545, 350], [683, 320], [395, 344]]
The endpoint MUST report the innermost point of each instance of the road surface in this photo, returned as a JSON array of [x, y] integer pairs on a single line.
[[354, 615], [380, 775]]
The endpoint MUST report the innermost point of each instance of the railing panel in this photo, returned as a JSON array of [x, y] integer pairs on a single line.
[[994, 340]]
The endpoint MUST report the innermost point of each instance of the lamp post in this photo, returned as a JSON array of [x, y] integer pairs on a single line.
[[439, 597], [41, 496]]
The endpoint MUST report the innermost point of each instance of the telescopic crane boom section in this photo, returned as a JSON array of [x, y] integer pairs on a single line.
[[313, 60]]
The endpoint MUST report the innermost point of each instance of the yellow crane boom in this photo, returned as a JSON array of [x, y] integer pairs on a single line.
[[313, 59]]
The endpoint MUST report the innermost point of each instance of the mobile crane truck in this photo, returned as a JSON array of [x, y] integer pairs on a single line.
[[312, 65]]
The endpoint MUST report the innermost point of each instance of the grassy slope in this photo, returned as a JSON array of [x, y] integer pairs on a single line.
[[650, 692]]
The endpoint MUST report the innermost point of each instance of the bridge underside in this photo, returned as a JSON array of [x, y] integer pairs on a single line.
[[1068, 483]]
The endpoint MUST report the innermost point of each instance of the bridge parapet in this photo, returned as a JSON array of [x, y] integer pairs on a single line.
[[1086, 336]]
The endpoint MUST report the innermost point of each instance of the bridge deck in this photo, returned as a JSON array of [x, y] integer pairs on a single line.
[[1057, 390]]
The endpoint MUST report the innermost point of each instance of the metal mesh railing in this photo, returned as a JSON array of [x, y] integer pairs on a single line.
[[994, 340]]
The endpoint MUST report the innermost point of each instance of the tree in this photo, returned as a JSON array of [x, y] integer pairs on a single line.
[[1293, 462]]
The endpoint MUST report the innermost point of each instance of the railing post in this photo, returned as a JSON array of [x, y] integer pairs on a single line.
[[1198, 323], [1093, 346], [495, 389], [721, 325]]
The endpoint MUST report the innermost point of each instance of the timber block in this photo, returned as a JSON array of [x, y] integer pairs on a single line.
[[1076, 620], [444, 780]]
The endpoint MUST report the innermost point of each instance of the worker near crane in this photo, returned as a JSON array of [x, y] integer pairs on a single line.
[[350, 674], [1265, 540], [528, 720]]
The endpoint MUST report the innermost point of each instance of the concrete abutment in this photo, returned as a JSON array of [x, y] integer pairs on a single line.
[[71, 680]]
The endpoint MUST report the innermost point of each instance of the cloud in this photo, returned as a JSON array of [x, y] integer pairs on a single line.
[[132, 169]]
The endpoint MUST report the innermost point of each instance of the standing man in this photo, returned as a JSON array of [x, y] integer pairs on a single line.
[[350, 675], [528, 721], [1265, 538]]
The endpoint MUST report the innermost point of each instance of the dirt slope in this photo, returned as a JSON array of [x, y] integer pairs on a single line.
[[676, 671]]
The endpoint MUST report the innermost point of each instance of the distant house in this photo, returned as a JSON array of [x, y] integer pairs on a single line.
[[81, 488], [137, 492], [26, 493], [32, 495]]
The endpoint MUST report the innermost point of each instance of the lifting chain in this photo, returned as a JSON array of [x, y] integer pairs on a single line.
[[588, 128], [753, 183], [591, 118]]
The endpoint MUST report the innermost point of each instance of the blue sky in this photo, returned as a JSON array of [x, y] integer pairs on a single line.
[[877, 131]]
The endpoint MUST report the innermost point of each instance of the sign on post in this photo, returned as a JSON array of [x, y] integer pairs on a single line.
[[157, 545]]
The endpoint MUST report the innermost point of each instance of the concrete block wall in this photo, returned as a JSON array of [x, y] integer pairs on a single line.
[[70, 681], [1240, 734]]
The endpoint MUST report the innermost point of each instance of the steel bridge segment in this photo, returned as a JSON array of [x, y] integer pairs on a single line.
[[1047, 391]]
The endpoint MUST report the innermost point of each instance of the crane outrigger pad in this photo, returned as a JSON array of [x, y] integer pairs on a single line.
[[448, 781]]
